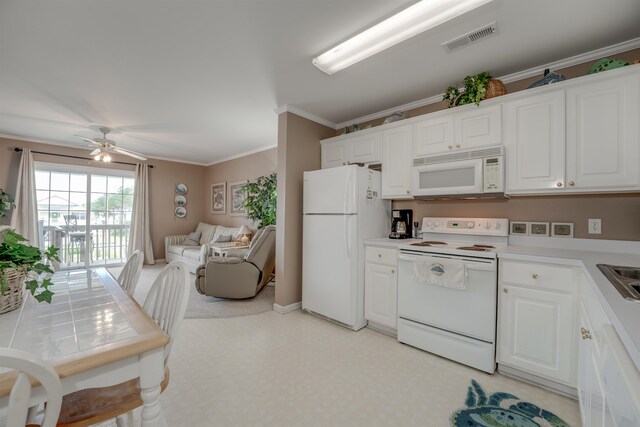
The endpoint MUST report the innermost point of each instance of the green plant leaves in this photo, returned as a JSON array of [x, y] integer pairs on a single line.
[[260, 202], [475, 88]]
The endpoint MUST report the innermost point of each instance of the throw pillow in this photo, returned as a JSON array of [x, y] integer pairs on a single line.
[[223, 239], [193, 239]]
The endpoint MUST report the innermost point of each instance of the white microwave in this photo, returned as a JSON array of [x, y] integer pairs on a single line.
[[465, 174]]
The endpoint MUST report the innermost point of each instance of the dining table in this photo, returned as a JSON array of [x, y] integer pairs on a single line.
[[94, 334]]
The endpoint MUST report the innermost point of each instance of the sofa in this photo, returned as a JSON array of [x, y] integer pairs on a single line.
[[196, 253]]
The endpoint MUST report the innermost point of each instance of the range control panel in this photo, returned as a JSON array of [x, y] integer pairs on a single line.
[[475, 226]]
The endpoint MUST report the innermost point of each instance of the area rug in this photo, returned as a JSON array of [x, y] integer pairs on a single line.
[[501, 410], [201, 306]]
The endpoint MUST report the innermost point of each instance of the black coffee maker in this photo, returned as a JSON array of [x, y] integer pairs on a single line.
[[401, 223]]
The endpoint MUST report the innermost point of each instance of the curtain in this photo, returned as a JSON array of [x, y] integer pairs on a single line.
[[139, 235], [25, 216]]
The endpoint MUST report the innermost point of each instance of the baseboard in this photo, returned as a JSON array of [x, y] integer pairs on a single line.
[[382, 329], [287, 308], [553, 386], [161, 260]]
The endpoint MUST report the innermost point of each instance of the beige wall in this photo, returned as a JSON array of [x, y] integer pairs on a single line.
[[163, 178], [298, 151], [243, 168], [620, 213]]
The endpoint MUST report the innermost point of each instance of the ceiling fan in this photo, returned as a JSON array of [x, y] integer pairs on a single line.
[[107, 146]]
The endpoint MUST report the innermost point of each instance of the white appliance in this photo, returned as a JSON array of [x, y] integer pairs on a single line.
[[459, 324], [464, 174], [342, 207]]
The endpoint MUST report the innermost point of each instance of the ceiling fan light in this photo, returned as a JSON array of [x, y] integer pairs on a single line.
[[410, 22], [96, 157], [106, 158]]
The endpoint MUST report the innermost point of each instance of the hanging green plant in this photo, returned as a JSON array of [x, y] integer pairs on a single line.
[[475, 88], [6, 203], [260, 201]]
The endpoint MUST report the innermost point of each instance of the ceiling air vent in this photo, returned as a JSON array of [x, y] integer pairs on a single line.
[[471, 37]]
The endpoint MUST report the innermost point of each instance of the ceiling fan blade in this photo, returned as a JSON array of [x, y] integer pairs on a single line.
[[94, 152], [129, 153], [91, 141]]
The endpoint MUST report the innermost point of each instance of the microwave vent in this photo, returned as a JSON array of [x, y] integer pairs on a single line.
[[460, 155], [471, 37]]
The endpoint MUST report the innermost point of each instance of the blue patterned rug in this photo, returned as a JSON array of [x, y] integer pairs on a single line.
[[501, 410]]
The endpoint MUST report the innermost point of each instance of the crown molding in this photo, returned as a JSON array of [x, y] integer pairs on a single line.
[[243, 154], [520, 75], [286, 108]]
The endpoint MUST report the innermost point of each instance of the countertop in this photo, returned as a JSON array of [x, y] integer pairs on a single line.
[[624, 314]]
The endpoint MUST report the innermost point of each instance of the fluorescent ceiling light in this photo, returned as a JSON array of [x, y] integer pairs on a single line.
[[420, 17]]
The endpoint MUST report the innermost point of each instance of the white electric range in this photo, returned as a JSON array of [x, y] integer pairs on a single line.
[[447, 289]]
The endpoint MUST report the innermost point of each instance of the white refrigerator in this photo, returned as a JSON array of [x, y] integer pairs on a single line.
[[342, 208]]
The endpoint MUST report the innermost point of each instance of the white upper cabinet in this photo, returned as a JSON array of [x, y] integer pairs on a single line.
[[473, 128], [396, 162], [365, 148], [534, 135], [478, 127], [333, 154], [356, 148], [602, 134], [433, 135]]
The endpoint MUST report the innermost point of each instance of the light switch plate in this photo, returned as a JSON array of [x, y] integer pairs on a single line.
[[519, 228], [561, 229], [539, 229]]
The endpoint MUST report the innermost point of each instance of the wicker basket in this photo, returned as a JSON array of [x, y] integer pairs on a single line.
[[12, 299], [495, 88]]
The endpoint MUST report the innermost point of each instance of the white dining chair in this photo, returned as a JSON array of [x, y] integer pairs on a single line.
[[128, 278], [166, 303], [26, 364]]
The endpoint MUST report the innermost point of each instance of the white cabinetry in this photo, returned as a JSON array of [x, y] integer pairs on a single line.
[[535, 142], [333, 154], [451, 131], [536, 319], [397, 162], [602, 134], [607, 378], [363, 148], [381, 286]]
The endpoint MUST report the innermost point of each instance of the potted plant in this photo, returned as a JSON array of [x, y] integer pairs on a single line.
[[476, 88], [21, 264], [6, 203], [260, 201]]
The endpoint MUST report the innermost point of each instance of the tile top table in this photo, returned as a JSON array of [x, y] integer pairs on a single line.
[[93, 333]]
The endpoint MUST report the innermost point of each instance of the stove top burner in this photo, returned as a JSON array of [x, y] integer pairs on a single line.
[[485, 246], [474, 248], [434, 242], [421, 244]]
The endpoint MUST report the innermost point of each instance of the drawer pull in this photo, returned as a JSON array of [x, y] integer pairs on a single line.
[[379, 255], [559, 184], [586, 334], [505, 290], [534, 275], [393, 271]]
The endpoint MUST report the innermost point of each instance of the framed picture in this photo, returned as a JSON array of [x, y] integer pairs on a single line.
[[539, 229], [236, 198], [519, 228], [561, 229], [218, 198]]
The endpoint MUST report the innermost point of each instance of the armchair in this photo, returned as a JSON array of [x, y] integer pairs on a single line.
[[237, 277]]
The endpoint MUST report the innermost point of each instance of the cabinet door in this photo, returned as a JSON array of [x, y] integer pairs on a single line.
[[535, 142], [602, 135], [365, 149], [333, 154], [536, 332], [433, 136], [478, 127], [380, 294], [397, 162], [590, 389]]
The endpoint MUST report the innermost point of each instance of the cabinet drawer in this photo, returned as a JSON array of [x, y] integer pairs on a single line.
[[538, 275], [386, 256]]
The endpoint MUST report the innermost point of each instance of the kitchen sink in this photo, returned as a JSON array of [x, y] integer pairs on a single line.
[[626, 280]]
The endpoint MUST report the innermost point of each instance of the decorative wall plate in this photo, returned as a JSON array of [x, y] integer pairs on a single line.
[[181, 200], [181, 189], [181, 212]]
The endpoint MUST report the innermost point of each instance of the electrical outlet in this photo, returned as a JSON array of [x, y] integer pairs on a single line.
[[595, 226]]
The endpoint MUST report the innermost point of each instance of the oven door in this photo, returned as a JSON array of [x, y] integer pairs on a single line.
[[470, 312], [443, 179]]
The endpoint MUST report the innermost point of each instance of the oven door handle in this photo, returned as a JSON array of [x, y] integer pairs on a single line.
[[488, 265]]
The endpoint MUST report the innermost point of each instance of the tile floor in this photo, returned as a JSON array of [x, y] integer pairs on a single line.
[[298, 370]]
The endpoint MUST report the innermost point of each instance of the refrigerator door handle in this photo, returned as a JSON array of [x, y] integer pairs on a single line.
[[347, 233], [345, 196]]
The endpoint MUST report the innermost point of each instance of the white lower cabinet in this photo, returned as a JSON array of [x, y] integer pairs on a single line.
[[381, 286], [536, 319]]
